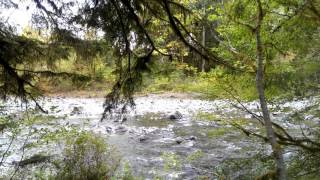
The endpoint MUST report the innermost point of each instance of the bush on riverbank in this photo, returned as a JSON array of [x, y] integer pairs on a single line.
[[88, 157]]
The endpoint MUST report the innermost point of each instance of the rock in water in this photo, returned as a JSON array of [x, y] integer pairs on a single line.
[[179, 140], [109, 129], [3, 126], [191, 138], [175, 116], [121, 129], [76, 110], [124, 119], [143, 138]]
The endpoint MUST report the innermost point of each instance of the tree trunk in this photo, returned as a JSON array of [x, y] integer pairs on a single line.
[[276, 148], [203, 60], [203, 44]]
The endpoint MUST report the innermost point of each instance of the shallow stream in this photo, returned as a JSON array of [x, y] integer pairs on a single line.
[[190, 136]]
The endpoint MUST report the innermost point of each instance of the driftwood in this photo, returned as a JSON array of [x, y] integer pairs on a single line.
[[35, 159]]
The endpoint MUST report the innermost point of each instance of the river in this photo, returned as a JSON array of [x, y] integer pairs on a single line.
[[196, 135]]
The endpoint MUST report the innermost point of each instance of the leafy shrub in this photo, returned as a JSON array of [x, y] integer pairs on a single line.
[[88, 157]]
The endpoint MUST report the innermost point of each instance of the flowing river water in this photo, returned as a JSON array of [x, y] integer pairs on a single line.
[[191, 136]]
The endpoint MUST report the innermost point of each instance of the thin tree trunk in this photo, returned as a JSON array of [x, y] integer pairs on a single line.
[[276, 148], [203, 44], [203, 63]]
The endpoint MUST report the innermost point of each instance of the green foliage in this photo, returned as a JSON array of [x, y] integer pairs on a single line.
[[88, 157], [244, 168], [25, 126], [166, 75], [287, 44], [309, 169], [212, 84], [85, 156], [5, 123]]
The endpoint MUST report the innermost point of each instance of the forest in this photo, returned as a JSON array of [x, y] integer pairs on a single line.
[[160, 89]]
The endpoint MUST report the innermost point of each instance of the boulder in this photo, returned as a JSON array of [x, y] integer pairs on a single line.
[[175, 116]]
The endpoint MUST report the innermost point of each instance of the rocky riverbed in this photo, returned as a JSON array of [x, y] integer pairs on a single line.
[[169, 137]]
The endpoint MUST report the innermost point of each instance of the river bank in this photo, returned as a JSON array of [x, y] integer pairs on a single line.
[[102, 94]]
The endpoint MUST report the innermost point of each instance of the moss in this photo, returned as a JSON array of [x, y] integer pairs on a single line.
[[243, 121], [153, 120], [171, 161], [216, 132], [195, 156], [180, 132], [206, 116], [287, 109]]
